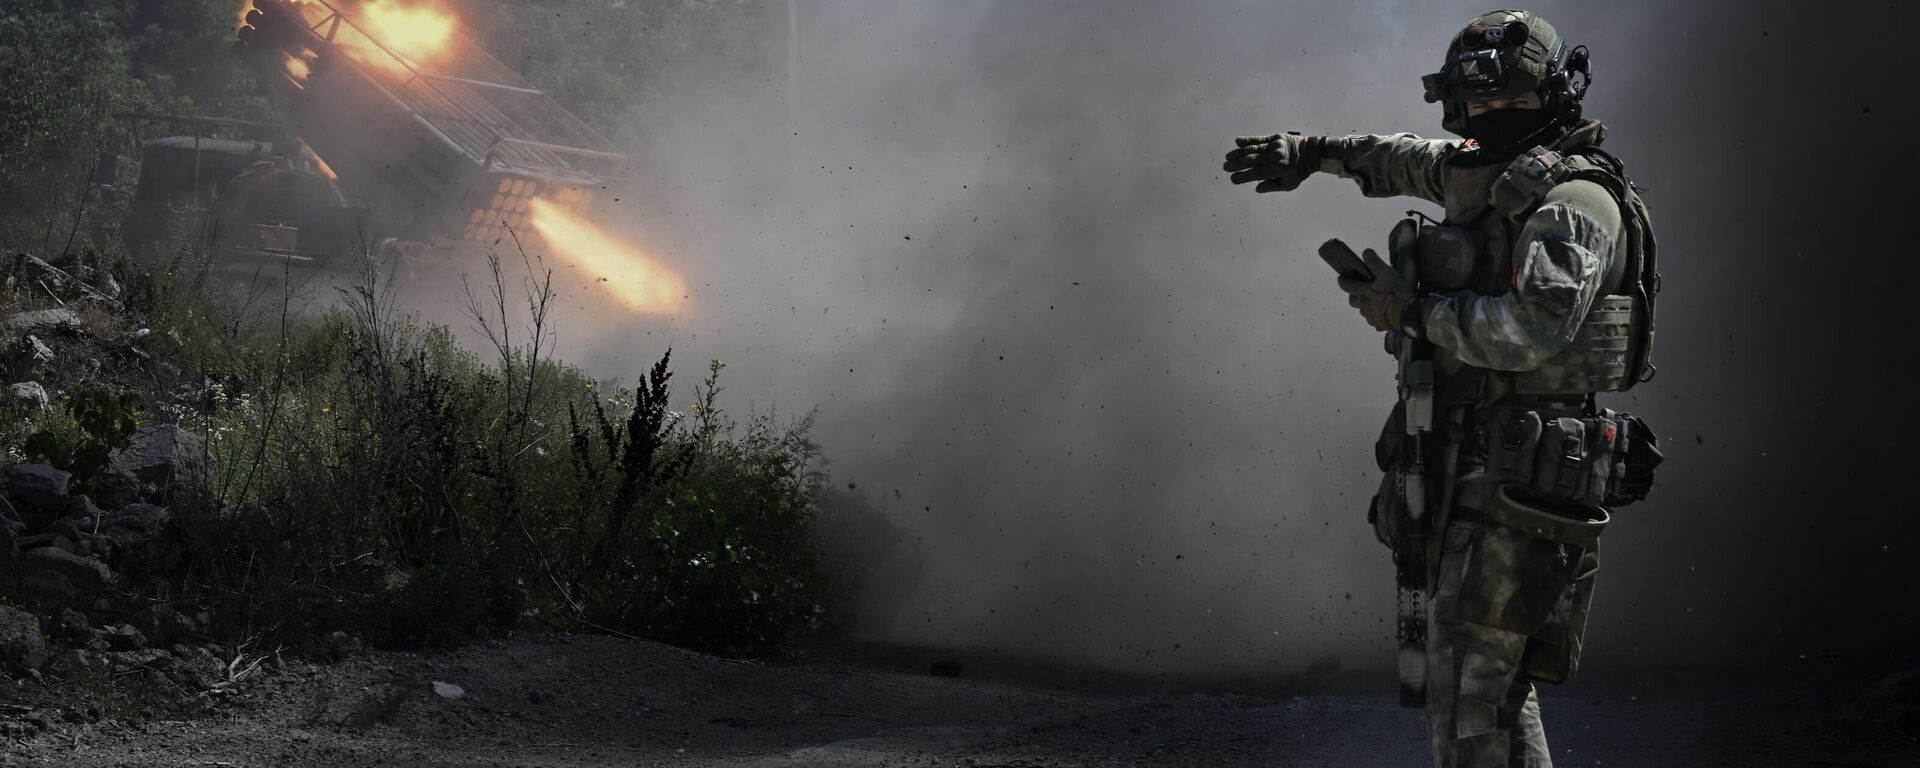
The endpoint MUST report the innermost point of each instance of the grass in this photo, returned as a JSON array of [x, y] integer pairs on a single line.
[[371, 474]]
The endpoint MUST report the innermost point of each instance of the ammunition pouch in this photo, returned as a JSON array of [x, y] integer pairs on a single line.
[[1531, 569], [1449, 257], [1641, 449], [1601, 458]]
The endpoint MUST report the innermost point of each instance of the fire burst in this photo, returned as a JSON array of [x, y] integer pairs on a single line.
[[417, 32], [642, 283]]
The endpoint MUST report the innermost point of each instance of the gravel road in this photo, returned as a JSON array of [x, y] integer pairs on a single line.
[[598, 701]]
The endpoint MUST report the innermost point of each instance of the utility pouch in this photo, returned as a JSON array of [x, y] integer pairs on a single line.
[[1603, 431], [1448, 256], [1559, 464], [1553, 656], [1638, 451], [1532, 571], [1387, 513], [1393, 438], [1514, 437]]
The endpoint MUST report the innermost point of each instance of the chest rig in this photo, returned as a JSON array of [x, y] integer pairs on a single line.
[[1473, 249]]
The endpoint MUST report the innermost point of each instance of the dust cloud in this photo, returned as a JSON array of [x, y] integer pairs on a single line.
[[1109, 408]]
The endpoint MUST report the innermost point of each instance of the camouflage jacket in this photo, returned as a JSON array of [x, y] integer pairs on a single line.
[[1560, 253]]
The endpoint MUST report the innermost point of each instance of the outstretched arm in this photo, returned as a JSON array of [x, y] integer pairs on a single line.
[[1384, 166], [1563, 255], [1388, 166]]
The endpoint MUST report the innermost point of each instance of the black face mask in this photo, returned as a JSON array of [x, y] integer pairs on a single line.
[[1506, 127]]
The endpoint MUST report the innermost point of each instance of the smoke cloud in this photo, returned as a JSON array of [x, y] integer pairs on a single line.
[[1115, 412]]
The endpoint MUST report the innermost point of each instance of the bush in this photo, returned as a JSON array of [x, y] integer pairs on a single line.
[[372, 472]]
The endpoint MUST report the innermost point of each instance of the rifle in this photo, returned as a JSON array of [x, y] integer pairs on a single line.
[[1415, 377]]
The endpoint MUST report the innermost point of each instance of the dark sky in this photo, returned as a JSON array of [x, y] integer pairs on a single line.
[[1113, 410]]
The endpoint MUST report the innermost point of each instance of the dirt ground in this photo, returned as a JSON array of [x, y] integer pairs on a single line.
[[599, 701]]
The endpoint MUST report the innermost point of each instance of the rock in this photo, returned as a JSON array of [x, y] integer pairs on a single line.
[[53, 539], [61, 319], [11, 529], [37, 269], [66, 535], [102, 283], [23, 647], [54, 578], [82, 512], [143, 540], [166, 460], [30, 358], [448, 690], [74, 663], [341, 645], [28, 396], [196, 669], [126, 661], [163, 625], [70, 624], [121, 637], [39, 485], [118, 488]]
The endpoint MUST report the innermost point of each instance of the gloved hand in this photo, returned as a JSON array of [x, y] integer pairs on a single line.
[[1381, 299], [1279, 162]]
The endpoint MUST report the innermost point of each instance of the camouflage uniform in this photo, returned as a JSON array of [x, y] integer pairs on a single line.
[[1561, 253], [1535, 292]]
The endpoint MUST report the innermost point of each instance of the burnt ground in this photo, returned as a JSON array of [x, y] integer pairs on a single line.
[[599, 701]]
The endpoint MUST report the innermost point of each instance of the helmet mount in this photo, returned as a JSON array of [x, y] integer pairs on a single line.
[[1506, 54]]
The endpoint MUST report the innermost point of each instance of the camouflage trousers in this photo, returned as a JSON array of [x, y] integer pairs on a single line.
[[1483, 712]]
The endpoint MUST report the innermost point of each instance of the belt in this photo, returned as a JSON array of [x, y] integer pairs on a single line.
[[1566, 522]]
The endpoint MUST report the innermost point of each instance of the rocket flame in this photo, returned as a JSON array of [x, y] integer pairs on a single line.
[[324, 169], [418, 32], [643, 284], [298, 69]]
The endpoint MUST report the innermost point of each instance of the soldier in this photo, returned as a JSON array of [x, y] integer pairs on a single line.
[[1533, 293]]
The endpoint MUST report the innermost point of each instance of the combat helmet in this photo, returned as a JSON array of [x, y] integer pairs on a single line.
[[1504, 54]]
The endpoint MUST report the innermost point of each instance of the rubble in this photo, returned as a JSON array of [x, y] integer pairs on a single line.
[[62, 319], [164, 462], [141, 540], [29, 357], [40, 486], [27, 396], [52, 577], [23, 647], [78, 562], [121, 637]]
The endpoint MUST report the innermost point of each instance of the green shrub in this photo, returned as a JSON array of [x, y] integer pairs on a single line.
[[102, 423]]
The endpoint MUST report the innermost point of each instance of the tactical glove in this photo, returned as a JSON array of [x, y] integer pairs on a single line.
[[1279, 162], [1382, 299]]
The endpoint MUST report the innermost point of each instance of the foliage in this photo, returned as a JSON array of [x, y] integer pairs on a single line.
[[104, 421], [724, 559], [69, 66], [373, 473]]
